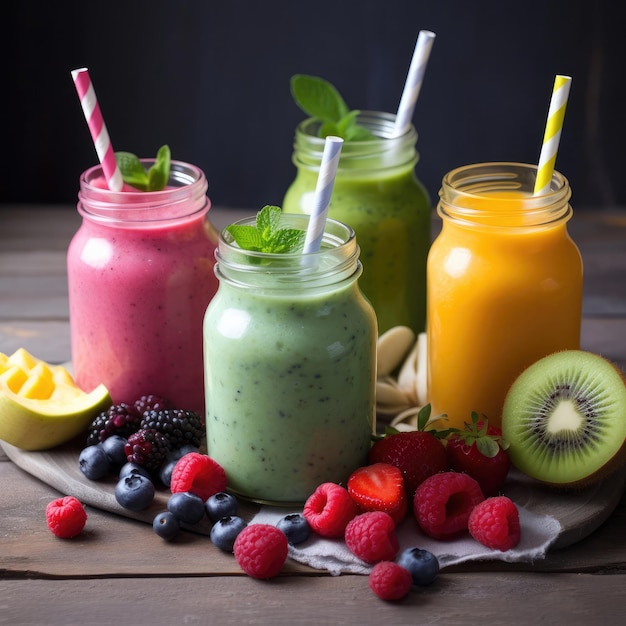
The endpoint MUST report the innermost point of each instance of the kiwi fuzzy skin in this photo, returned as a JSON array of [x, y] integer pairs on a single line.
[[521, 425]]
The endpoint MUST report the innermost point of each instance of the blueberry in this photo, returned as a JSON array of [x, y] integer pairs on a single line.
[[165, 473], [129, 468], [94, 462], [114, 448], [221, 505], [134, 492], [422, 564], [166, 525], [186, 506], [179, 453], [295, 527], [225, 531]]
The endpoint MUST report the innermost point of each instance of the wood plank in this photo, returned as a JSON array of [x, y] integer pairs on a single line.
[[454, 599]]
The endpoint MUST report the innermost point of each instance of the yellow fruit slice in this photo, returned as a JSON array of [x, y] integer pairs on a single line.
[[40, 404]]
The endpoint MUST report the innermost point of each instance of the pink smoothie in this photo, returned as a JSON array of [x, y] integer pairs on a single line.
[[138, 291]]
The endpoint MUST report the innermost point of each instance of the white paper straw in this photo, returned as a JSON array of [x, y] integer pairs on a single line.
[[414, 80], [323, 193]]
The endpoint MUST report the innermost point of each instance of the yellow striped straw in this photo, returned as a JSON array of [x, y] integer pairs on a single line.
[[552, 136]]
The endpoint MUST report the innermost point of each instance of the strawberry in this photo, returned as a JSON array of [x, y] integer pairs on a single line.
[[417, 454], [379, 487], [480, 451]]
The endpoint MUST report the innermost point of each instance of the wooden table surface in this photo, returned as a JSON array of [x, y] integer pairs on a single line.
[[119, 572]]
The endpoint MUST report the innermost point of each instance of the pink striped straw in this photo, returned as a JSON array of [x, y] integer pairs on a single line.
[[97, 128]]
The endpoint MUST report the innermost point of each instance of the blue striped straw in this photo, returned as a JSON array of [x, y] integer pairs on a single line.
[[323, 193], [414, 80]]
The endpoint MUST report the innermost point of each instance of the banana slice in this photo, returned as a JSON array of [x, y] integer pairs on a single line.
[[389, 399], [392, 347], [421, 370], [406, 420], [407, 375], [402, 398]]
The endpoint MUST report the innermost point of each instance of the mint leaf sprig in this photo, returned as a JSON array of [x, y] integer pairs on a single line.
[[321, 100], [267, 236], [135, 175]]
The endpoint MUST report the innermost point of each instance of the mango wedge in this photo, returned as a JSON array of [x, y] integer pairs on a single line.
[[40, 404]]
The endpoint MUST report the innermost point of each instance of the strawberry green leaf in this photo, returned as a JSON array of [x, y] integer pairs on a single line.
[[487, 446]]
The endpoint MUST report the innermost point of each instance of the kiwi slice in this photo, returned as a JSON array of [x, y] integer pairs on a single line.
[[565, 419]]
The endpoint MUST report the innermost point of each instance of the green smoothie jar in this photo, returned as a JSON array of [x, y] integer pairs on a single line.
[[290, 366], [378, 194]]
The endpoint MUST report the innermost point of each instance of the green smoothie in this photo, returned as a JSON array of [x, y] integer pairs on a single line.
[[289, 375], [377, 193]]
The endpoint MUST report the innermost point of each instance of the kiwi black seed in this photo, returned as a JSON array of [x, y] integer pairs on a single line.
[[565, 419]]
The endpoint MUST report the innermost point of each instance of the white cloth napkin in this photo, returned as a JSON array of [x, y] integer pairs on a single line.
[[538, 532]]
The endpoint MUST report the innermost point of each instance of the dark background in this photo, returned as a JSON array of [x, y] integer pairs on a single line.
[[211, 79]]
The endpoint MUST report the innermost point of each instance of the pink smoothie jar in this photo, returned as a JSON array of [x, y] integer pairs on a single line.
[[140, 277]]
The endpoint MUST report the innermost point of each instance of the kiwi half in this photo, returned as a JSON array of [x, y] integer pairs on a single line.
[[565, 419]]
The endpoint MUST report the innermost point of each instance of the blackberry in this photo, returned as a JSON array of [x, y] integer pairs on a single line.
[[119, 419], [147, 448], [181, 427], [152, 402]]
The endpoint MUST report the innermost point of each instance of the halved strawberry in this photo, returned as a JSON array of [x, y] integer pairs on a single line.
[[379, 487]]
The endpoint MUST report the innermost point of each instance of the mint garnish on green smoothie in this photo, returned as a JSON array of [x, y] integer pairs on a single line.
[[267, 236], [135, 175], [321, 100]]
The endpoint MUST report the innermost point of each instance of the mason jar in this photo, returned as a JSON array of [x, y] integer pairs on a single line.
[[140, 276], [290, 366], [504, 285], [377, 193]]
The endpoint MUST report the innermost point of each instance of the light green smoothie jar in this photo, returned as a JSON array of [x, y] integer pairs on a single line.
[[290, 366], [378, 194]]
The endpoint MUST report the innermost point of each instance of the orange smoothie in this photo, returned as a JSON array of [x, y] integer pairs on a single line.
[[504, 288]]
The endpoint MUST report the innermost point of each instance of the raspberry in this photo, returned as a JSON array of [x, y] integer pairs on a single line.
[[329, 509], [261, 550], [443, 503], [494, 522], [152, 402], [372, 537], [118, 419], [390, 581], [199, 474], [66, 517], [179, 426], [148, 448]]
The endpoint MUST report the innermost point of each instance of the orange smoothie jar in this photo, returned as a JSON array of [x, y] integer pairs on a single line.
[[504, 286]]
